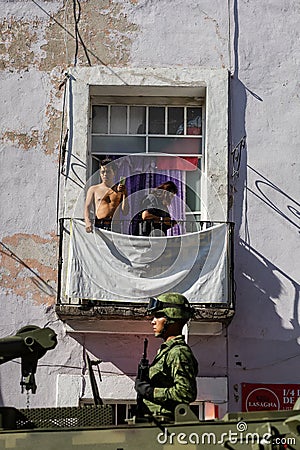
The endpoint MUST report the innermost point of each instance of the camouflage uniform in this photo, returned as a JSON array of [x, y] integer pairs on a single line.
[[173, 375]]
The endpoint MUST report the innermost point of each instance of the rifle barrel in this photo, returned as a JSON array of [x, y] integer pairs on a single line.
[[145, 348]]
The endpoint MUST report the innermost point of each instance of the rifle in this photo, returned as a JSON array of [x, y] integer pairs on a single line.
[[143, 375]]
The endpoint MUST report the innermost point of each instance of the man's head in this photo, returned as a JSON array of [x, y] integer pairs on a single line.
[[173, 307], [168, 186], [167, 191], [107, 171]]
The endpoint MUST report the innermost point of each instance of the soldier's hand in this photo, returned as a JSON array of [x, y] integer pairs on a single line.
[[144, 389]]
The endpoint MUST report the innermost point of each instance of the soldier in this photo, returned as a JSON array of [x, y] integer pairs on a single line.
[[172, 374]]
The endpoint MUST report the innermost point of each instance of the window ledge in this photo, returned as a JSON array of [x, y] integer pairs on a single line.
[[90, 316]]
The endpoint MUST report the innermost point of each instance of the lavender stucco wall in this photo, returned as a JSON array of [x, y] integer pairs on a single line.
[[258, 43]]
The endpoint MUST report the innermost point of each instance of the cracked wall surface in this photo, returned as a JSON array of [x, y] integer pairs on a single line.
[[27, 273]]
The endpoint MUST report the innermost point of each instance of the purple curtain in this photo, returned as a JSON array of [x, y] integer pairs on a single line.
[[141, 176]]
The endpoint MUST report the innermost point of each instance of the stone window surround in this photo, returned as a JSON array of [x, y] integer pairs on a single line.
[[210, 83]]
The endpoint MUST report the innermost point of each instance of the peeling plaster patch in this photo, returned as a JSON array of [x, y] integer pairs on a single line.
[[22, 140], [104, 30], [27, 10], [21, 44], [51, 137], [38, 40], [32, 272], [15, 51], [23, 245]]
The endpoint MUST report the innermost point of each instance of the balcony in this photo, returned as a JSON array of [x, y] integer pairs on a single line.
[[105, 278]]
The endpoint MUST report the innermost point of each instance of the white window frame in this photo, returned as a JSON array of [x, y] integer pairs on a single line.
[[147, 103], [101, 101], [211, 83]]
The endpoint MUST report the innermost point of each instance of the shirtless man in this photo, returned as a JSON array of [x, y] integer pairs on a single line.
[[105, 197]]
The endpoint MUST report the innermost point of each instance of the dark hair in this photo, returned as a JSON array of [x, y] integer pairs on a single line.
[[107, 162], [168, 186]]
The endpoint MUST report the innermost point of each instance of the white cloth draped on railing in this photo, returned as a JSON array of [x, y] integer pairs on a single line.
[[110, 266]]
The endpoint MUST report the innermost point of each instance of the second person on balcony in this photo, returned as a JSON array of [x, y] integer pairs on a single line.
[[154, 219], [106, 198]]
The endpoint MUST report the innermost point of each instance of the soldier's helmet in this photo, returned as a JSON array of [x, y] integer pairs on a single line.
[[173, 305]]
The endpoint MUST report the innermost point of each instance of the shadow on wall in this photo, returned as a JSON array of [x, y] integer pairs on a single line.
[[261, 278], [258, 337], [263, 283], [237, 132], [276, 199], [264, 343], [1, 399]]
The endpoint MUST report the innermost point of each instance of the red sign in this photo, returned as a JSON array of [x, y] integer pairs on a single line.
[[269, 397]]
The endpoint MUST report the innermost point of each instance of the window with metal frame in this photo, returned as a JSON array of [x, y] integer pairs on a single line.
[[170, 126]]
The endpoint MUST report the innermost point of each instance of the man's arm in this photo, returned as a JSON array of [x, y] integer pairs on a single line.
[[166, 220], [125, 206], [154, 211], [88, 203]]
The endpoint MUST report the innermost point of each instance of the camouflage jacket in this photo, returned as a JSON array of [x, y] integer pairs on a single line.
[[173, 375]]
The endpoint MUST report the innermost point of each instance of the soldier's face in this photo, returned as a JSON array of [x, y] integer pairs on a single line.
[[158, 323]]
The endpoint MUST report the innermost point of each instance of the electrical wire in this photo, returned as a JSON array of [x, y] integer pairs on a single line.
[[65, 366], [86, 49], [15, 257], [62, 148], [109, 372], [76, 21], [77, 17]]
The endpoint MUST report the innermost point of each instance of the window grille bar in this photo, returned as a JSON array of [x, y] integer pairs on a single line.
[[108, 119], [147, 129], [166, 120], [185, 121], [128, 120]]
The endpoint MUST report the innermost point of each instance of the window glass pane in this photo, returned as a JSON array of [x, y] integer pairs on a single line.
[[156, 120], [95, 167], [118, 120], [193, 188], [194, 121], [137, 121], [118, 144], [99, 119], [175, 120], [180, 146]]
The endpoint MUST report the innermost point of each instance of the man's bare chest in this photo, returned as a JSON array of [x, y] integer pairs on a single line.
[[109, 196]]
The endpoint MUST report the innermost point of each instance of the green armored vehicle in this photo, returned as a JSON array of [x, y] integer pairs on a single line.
[[90, 427]]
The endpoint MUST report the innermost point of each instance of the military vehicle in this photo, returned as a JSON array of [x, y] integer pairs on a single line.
[[90, 427]]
